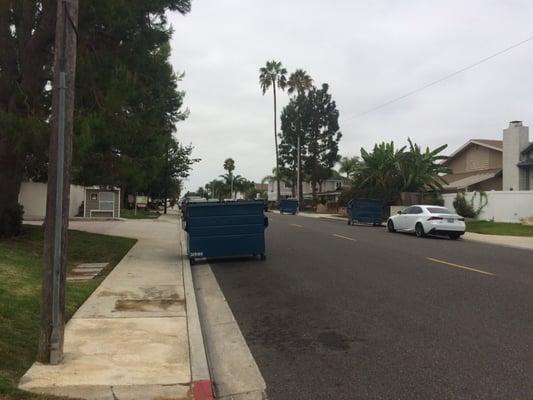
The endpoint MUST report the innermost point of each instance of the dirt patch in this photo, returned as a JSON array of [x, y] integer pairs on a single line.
[[145, 304]]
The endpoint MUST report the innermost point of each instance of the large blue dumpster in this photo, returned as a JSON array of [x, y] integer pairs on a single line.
[[226, 229], [289, 206], [365, 211]]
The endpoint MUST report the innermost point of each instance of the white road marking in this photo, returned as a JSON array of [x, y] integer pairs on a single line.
[[299, 226], [459, 266], [344, 237]]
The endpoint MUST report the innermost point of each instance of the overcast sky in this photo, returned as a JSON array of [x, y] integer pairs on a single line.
[[369, 52]]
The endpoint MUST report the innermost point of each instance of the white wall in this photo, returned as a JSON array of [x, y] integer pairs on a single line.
[[502, 206], [32, 196]]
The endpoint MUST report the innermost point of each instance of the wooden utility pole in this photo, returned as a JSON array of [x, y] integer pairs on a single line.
[[58, 194]]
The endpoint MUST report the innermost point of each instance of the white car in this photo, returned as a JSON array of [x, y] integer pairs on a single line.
[[427, 220]]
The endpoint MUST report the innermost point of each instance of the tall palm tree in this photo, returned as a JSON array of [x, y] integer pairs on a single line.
[[273, 74], [229, 165], [300, 82]]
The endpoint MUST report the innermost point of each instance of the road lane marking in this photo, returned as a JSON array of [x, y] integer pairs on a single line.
[[297, 225], [459, 266], [344, 237]]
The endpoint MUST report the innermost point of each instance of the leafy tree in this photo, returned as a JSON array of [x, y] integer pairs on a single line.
[[312, 116], [388, 171], [201, 192], [379, 174], [127, 102], [273, 74], [349, 165], [422, 169], [27, 33], [217, 189]]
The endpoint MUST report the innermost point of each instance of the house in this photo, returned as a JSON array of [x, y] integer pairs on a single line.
[[485, 165], [329, 189]]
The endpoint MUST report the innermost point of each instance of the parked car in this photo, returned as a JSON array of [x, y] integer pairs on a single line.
[[427, 220]]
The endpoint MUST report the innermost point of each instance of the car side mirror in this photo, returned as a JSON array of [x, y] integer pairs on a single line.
[[399, 212]]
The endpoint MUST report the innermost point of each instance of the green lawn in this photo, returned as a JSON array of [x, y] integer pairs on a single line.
[[20, 283], [141, 214], [498, 228]]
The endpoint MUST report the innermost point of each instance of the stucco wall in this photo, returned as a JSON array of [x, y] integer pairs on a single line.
[[506, 206], [495, 183], [32, 196]]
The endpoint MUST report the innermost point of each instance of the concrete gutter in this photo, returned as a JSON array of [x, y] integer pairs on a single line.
[[201, 382]]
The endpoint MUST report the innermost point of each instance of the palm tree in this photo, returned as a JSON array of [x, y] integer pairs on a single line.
[[300, 82], [275, 75], [348, 165], [229, 165]]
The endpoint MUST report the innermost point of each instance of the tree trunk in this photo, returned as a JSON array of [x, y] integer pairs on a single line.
[[276, 141], [11, 167], [52, 318]]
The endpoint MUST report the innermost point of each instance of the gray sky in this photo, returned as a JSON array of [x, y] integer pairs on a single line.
[[369, 52]]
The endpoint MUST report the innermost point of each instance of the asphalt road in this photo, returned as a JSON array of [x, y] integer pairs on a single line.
[[354, 312]]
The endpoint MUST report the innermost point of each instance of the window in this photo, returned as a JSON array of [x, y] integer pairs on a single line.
[[408, 210], [107, 201], [416, 210], [439, 210]]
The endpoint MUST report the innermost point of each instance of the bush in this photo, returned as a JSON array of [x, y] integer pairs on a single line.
[[11, 221], [467, 208]]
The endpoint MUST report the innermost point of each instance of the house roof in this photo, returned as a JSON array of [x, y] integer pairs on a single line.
[[488, 143], [525, 163], [528, 148], [464, 180]]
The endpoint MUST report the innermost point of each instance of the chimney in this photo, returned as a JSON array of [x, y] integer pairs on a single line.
[[515, 139]]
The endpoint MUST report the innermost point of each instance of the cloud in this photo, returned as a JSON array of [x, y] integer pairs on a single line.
[[369, 52]]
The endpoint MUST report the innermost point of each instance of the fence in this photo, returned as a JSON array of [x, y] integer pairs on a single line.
[[502, 206], [32, 196]]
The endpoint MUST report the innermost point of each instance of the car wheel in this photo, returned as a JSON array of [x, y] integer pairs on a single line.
[[419, 230], [390, 226], [454, 236]]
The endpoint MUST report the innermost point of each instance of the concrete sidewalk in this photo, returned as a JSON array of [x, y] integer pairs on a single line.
[[131, 338], [518, 242]]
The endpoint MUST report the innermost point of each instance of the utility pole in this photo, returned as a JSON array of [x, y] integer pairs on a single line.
[[166, 177], [58, 193], [298, 177]]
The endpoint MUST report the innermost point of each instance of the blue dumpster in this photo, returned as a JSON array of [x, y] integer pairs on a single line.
[[365, 211], [289, 206], [226, 229]]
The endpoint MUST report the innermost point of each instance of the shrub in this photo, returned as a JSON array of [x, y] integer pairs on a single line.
[[11, 221], [467, 208]]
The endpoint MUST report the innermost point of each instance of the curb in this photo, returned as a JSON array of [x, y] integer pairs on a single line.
[[201, 382]]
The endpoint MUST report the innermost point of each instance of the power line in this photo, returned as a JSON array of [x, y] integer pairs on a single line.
[[412, 92]]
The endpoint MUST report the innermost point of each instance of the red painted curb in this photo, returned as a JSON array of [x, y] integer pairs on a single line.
[[202, 390]]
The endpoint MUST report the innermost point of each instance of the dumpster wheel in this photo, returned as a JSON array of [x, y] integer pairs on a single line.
[[262, 256], [192, 260]]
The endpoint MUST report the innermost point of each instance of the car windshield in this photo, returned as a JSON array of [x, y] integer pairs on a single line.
[[439, 210]]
